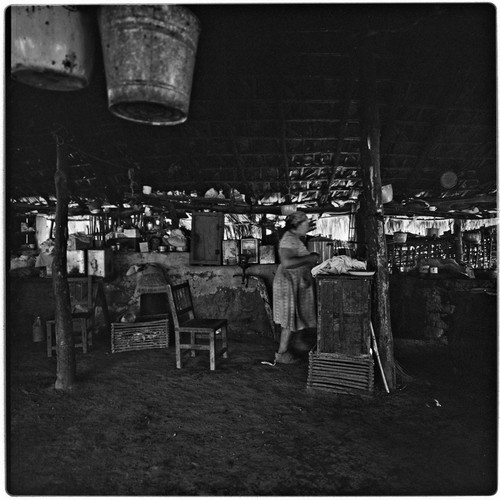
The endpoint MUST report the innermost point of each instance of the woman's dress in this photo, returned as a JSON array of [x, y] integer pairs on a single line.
[[294, 305]]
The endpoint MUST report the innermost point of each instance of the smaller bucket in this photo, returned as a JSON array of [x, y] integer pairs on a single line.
[[52, 47], [149, 55]]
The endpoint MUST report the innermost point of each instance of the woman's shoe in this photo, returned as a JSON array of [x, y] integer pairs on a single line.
[[285, 358]]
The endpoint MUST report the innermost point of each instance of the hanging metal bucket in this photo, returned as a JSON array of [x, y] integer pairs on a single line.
[[149, 55], [53, 47]]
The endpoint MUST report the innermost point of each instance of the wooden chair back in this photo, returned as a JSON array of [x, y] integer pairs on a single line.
[[81, 293], [181, 303]]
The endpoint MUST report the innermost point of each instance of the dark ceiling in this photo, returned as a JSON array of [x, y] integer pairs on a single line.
[[275, 110]]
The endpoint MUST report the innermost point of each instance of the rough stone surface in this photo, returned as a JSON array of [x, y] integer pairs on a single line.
[[421, 308], [216, 292]]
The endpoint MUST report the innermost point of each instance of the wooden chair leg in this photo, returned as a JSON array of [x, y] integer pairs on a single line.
[[90, 329], [49, 338], [224, 340], [83, 325], [212, 350], [178, 349], [193, 341]]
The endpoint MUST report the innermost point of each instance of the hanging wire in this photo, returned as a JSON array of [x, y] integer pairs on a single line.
[[88, 155]]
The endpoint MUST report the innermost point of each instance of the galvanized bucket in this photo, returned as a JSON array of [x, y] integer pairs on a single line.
[[149, 56], [52, 47]]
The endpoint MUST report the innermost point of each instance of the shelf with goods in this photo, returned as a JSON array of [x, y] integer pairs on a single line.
[[479, 254], [406, 255]]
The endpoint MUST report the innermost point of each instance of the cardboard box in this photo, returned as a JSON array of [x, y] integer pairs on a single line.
[[132, 233], [100, 262], [76, 262]]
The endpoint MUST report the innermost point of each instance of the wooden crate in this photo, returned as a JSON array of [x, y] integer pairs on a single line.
[[340, 373], [344, 314], [141, 335]]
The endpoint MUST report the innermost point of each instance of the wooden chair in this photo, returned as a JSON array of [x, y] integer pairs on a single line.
[[82, 312], [198, 330]]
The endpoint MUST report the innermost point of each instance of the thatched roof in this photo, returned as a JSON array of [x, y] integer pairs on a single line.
[[275, 111]]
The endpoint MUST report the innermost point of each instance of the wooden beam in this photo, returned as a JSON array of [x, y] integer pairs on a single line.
[[229, 115], [66, 364], [406, 69], [457, 234], [279, 90], [188, 204], [448, 97], [373, 210], [341, 133]]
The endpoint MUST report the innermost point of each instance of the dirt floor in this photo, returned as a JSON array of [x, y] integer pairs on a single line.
[[136, 425]]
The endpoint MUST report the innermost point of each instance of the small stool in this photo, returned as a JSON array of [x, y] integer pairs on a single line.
[[51, 346]]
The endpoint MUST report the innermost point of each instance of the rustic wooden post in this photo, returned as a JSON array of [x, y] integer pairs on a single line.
[[373, 215], [459, 249], [66, 365], [172, 212]]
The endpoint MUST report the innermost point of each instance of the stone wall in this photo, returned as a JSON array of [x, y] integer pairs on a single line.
[[217, 291], [422, 308]]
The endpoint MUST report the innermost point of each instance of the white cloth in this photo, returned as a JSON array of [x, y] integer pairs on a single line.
[[338, 265]]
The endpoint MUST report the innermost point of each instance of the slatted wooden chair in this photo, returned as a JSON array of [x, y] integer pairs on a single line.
[[82, 312], [198, 330]]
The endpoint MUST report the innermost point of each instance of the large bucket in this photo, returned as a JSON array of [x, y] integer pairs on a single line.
[[149, 55], [52, 47]]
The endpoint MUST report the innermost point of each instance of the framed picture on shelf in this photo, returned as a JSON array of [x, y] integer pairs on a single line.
[[230, 252], [250, 247], [267, 254]]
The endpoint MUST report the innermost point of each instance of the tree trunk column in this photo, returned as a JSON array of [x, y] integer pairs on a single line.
[[66, 365], [459, 249], [373, 211]]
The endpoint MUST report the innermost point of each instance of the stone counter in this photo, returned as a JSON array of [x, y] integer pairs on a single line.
[[217, 291], [422, 308]]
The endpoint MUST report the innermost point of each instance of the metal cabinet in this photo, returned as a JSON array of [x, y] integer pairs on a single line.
[[207, 231], [343, 314]]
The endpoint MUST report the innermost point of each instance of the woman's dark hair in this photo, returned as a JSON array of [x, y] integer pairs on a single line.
[[294, 220]]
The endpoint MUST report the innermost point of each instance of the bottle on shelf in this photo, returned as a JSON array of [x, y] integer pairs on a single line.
[[37, 330]]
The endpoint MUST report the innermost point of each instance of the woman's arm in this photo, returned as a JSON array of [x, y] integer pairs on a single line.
[[289, 259]]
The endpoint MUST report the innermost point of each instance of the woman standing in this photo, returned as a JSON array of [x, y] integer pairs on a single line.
[[294, 305]]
